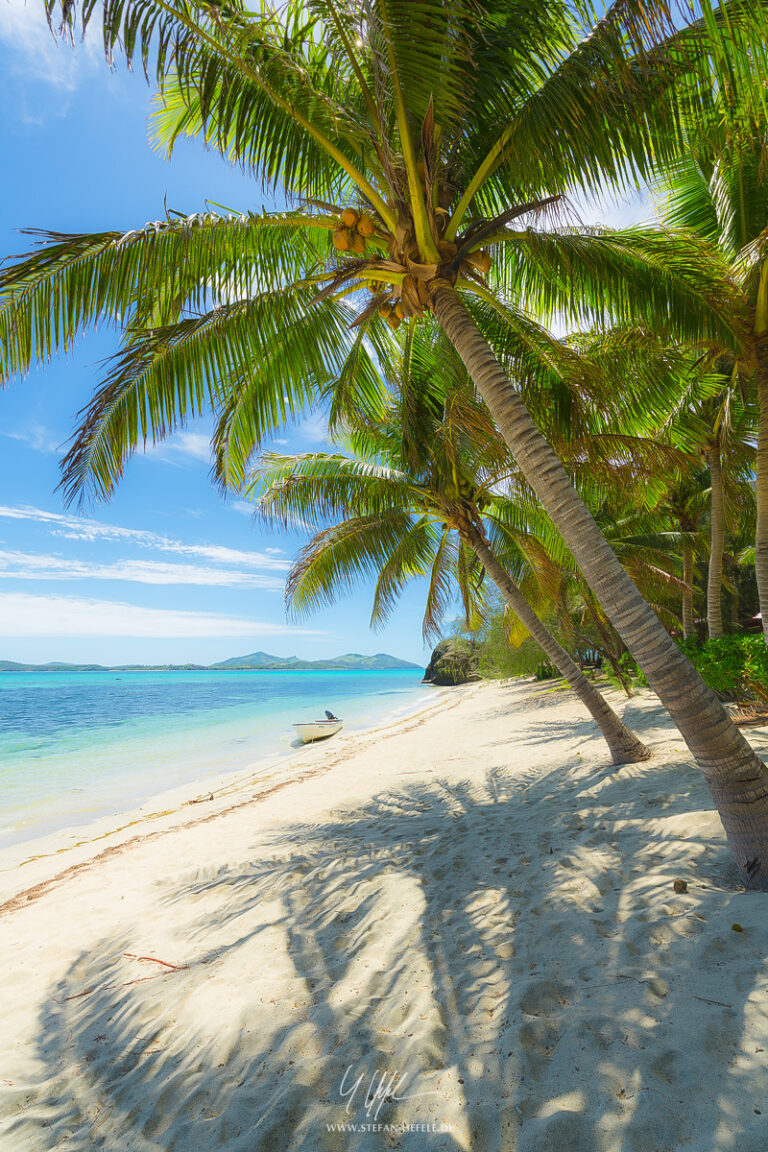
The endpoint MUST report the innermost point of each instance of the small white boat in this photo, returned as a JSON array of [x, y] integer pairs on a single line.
[[319, 729]]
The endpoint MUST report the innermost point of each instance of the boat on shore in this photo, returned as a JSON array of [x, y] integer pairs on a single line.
[[318, 729]]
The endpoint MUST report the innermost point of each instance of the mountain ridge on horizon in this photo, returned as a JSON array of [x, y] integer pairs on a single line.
[[254, 661]]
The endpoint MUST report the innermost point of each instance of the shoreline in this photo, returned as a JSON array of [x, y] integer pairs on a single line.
[[113, 794], [74, 669], [472, 900], [277, 770]]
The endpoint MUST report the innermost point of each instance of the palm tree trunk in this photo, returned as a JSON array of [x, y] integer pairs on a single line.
[[761, 482], [735, 612], [624, 745], [688, 592], [717, 544], [737, 778]]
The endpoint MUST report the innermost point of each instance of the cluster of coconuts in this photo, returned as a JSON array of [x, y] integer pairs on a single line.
[[394, 314], [353, 231], [411, 296]]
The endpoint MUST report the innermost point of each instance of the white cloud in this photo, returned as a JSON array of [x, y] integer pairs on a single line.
[[33, 52], [194, 444], [241, 506], [82, 528], [314, 430], [48, 616], [26, 566], [35, 434], [616, 210]]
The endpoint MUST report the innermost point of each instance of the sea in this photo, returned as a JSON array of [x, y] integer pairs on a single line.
[[77, 746]]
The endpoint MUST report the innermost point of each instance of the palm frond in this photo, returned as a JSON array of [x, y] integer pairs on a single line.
[[259, 362], [360, 548], [676, 284], [315, 488], [151, 276]]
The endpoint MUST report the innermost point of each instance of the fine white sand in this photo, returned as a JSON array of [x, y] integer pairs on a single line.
[[469, 915]]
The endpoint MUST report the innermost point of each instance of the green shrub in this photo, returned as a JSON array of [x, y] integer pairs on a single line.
[[634, 676], [736, 666], [498, 659]]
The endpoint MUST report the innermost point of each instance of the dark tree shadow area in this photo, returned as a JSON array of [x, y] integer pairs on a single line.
[[513, 952]]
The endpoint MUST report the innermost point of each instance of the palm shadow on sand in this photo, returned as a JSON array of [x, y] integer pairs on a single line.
[[506, 948]]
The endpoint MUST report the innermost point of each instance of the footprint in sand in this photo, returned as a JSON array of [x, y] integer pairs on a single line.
[[545, 996], [539, 1035]]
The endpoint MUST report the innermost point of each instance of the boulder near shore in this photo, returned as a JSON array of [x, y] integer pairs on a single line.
[[453, 661]]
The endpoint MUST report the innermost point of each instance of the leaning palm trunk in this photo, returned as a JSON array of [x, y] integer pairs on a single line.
[[761, 482], [624, 745], [737, 778], [735, 605], [717, 544], [688, 590]]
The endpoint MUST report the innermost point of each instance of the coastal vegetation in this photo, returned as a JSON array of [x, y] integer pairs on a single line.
[[419, 497], [425, 153]]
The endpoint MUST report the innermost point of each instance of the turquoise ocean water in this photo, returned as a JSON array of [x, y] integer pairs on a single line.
[[75, 746]]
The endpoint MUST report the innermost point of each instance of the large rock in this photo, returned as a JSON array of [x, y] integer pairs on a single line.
[[453, 661]]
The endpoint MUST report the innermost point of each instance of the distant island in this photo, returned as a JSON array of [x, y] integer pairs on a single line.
[[256, 661]]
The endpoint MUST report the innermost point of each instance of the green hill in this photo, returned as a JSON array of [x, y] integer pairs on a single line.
[[381, 662], [353, 661]]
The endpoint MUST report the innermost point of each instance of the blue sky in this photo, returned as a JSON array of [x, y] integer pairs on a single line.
[[167, 571]]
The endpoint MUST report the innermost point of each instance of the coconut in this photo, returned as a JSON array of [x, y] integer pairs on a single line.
[[393, 321], [400, 310], [342, 241], [485, 261], [358, 243], [349, 217], [386, 310], [365, 226]]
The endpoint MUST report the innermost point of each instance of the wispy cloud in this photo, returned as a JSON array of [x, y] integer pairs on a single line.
[[25, 615], [33, 433], [314, 429], [33, 52], [82, 528], [246, 509], [241, 506], [192, 444], [195, 444], [27, 566]]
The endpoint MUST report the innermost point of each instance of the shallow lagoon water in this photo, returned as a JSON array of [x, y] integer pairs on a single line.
[[75, 746]]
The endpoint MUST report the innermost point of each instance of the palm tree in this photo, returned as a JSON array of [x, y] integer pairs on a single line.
[[717, 419], [685, 504], [433, 458], [443, 124], [718, 190], [729, 455]]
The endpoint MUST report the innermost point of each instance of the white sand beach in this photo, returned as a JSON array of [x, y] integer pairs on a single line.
[[469, 916]]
